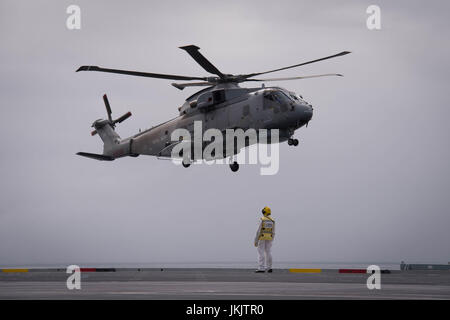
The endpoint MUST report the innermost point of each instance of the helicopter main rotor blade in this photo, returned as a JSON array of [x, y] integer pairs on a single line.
[[297, 65], [108, 107], [296, 78], [201, 60], [139, 74], [181, 86]]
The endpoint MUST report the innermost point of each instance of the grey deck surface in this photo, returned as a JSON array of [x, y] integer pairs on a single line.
[[224, 284]]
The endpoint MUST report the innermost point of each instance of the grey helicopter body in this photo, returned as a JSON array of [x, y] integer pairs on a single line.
[[222, 105]]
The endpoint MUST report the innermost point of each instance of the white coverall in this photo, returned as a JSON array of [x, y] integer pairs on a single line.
[[264, 247]]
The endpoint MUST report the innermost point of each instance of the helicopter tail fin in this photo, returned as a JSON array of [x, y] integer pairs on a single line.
[[106, 131], [113, 146]]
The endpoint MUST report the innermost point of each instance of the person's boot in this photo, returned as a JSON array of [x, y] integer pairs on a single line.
[[269, 271], [259, 271]]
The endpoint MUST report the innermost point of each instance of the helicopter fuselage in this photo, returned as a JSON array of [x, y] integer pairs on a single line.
[[222, 107]]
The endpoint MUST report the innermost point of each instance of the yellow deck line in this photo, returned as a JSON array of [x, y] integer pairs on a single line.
[[305, 270], [15, 270]]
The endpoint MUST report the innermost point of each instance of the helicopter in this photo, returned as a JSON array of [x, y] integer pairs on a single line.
[[223, 105]]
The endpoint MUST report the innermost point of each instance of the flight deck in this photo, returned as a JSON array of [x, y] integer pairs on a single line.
[[223, 283]]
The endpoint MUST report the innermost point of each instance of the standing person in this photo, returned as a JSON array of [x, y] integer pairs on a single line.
[[263, 241]]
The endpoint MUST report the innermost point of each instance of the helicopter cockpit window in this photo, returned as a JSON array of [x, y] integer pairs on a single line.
[[293, 96], [283, 100], [269, 96], [281, 97]]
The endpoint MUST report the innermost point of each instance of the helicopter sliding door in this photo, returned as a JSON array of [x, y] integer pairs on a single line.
[[217, 116], [217, 119]]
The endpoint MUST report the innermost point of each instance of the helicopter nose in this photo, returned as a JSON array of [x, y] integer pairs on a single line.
[[305, 112], [308, 113]]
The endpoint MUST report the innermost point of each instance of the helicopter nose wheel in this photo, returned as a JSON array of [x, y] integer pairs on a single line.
[[292, 142], [234, 166], [186, 165]]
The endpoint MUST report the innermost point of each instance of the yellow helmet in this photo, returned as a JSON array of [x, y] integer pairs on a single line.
[[266, 211]]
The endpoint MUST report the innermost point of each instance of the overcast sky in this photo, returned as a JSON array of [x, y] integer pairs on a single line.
[[368, 182]]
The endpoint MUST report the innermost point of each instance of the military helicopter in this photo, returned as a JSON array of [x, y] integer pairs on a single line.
[[223, 104]]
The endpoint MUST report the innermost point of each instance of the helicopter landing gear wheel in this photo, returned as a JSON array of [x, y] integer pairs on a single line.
[[292, 142], [234, 166], [186, 165]]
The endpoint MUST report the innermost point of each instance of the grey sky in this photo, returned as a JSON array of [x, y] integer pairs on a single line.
[[369, 181]]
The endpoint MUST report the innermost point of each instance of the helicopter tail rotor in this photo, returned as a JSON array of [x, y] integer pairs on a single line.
[[108, 107], [113, 146], [101, 123]]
